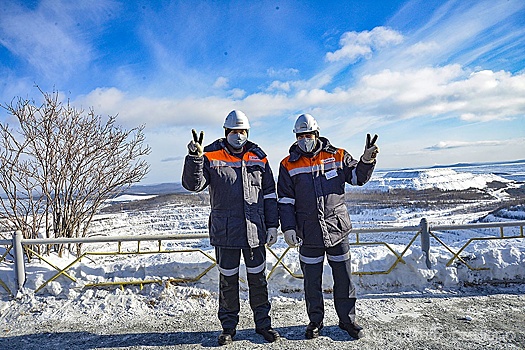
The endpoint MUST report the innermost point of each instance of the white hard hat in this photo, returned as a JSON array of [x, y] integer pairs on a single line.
[[305, 123], [236, 120]]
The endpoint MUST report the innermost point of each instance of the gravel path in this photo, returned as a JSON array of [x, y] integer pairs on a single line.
[[475, 320]]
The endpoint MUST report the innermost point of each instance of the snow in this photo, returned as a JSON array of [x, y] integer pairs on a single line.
[[443, 179], [63, 298], [129, 197]]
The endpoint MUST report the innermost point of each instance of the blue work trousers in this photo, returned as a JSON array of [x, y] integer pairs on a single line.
[[338, 257], [229, 306]]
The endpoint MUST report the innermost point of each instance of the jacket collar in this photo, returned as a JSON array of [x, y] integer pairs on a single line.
[[221, 144]]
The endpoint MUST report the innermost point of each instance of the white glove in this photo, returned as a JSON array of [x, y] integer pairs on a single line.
[[371, 150], [195, 147], [272, 236], [291, 238]]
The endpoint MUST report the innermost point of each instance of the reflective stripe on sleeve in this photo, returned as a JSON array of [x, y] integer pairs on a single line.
[[354, 177], [270, 195], [253, 163], [286, 200]]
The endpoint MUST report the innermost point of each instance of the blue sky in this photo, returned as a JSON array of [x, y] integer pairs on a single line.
[[440, 82]]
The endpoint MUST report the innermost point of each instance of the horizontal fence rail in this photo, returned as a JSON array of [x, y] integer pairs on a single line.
[[423, 231]]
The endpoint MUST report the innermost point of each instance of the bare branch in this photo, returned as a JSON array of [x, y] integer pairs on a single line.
[[61, 163]]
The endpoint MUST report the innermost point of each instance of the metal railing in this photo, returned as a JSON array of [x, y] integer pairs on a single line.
[[423, 231]]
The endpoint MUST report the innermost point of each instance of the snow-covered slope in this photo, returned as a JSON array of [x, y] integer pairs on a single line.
[[443, 179]]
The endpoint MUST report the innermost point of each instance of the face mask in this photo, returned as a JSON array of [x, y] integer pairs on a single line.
[[236, 140], [306, 144]]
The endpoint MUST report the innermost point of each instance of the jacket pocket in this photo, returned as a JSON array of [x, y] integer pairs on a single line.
[[218, 224], [339, 220], [309, 230]]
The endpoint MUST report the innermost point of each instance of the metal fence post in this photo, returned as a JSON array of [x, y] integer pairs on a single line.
[[425, 241], [20, 270]]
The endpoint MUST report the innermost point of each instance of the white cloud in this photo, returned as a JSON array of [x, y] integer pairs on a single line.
[[361, 44], [221, 83], [279, 85], [107, 99], [155, 112], [282, 73], [458, 32], [443, 92], [423, 48], [446, 91], [454, 144], [463, 144], [237, 94]]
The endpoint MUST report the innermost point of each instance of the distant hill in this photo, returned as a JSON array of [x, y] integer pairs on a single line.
[[439, 178], [444, 177], [466, 165]]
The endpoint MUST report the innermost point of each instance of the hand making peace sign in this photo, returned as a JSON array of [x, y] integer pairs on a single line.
[[195, 147], [371, 149]]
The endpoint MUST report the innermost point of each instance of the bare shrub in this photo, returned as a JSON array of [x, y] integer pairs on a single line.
[[59, 164]]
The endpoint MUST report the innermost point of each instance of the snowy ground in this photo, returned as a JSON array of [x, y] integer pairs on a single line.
[[486, 318], [412, 307]]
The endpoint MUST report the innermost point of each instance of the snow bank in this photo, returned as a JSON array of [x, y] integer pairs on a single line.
[[505, 260]]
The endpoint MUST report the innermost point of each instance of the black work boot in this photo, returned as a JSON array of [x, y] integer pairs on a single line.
[[269, 334], [313, 329], [226, 337], [353, 329]]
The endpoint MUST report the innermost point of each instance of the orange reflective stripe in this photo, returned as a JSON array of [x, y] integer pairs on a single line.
[[223, 158]]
